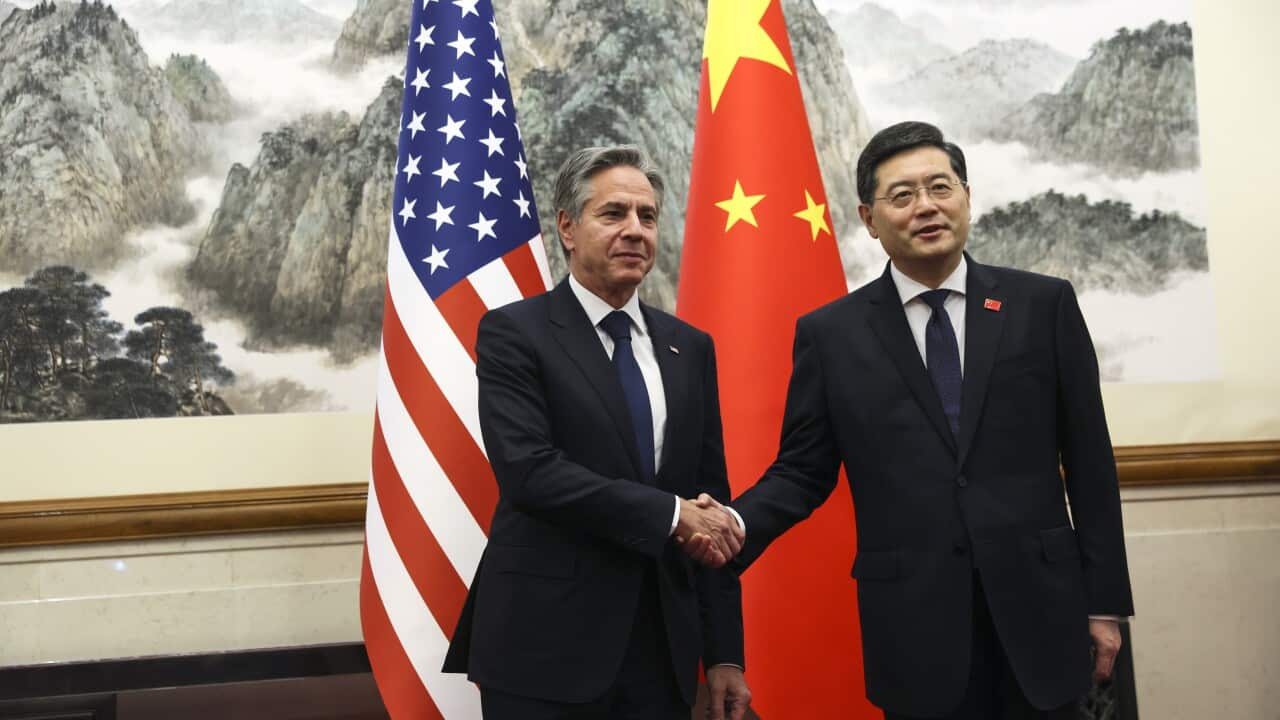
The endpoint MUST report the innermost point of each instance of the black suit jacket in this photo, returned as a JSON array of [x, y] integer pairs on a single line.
[[551, 608], [930, 508]]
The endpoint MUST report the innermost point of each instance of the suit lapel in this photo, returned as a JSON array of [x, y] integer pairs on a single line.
[[889, 322], [981, 338], [575, 333], [675, 380]]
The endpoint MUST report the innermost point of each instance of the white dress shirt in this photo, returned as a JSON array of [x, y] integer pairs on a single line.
[[918, 311], [642, 347]]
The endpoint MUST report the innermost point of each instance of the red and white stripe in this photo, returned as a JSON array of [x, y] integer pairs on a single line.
[[432, 492]]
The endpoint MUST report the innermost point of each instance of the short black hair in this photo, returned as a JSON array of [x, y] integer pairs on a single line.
[[900, 138]]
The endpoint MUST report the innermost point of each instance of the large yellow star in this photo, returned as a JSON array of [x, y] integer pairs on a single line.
[[815, 214], [739, 207], [733, 33]]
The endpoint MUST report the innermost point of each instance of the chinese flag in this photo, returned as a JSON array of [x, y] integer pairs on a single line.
[[758, 253]]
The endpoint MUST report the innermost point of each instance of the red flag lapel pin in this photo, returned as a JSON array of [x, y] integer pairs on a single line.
[[992, 305]]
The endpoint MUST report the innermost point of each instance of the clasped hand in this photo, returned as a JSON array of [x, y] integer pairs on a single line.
[[708, 532]]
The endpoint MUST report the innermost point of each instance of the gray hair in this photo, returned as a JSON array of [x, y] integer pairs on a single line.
[[573, 182]]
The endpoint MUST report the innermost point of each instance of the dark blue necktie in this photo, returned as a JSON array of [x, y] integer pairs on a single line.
[[618, 325], [943, 355]]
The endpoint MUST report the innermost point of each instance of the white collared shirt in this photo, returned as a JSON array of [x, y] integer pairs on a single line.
[[918, 311], [641, 345]]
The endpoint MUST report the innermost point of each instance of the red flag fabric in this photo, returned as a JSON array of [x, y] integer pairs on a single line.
[[464, 238], [759, 252]]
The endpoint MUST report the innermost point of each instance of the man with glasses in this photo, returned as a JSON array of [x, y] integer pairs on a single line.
[[951, 392]]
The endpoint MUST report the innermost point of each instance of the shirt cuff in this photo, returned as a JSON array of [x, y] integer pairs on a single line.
[[675, 518], [732, 665], [1112, 618], [741, 524]]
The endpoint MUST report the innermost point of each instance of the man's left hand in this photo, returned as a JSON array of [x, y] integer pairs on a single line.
[[730, 695], [1106, 644]]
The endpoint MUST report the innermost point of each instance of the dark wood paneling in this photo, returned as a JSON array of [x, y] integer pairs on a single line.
[[109, 677], [317, 682], [133, 517], [1204, 463], [332, 697], [71, 707]]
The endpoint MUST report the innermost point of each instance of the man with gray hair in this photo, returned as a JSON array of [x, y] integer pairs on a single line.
[[601, 588]]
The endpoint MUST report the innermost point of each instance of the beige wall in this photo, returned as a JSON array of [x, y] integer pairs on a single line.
[[1206, 584], [1205, 580], [129, 457], [161, 597]]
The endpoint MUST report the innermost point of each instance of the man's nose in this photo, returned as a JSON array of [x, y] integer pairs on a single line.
[[925, 204], [632, 225]]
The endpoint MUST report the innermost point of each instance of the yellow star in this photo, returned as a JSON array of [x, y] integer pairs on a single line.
[[815, 214], [739, 207], [733, 33]]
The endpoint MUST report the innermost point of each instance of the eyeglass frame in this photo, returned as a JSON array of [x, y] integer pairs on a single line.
[[915, 192]]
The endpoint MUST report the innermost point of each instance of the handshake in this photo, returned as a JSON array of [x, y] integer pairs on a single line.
[[708, 531]]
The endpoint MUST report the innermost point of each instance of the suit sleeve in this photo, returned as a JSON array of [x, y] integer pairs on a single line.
[[806, 469], [1089, 464], [719, 591], [532, 473]]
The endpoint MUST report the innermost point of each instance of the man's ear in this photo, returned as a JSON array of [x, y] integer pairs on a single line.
[[864, 212], [565, 226]]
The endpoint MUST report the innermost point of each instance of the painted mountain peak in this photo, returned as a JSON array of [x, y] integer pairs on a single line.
[[876, 39], [1096, 245], [975, 90], [229, 21], [1129, 108], [95, 141]]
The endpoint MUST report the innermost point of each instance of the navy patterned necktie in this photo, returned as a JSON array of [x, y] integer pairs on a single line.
[[618, 325], [943, 355]]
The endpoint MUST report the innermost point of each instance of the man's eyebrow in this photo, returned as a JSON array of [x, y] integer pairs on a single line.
[[908, 183], [620, 205]]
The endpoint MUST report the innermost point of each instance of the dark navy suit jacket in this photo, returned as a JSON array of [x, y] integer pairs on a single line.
[[550, 611], [931, 508]]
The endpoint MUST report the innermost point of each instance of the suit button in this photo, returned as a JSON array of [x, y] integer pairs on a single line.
[[959, 549], [962, 481]]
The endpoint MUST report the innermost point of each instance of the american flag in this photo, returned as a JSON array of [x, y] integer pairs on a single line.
[[464, 238]]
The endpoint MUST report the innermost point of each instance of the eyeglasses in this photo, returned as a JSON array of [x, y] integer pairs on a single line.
[[938, 190]]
